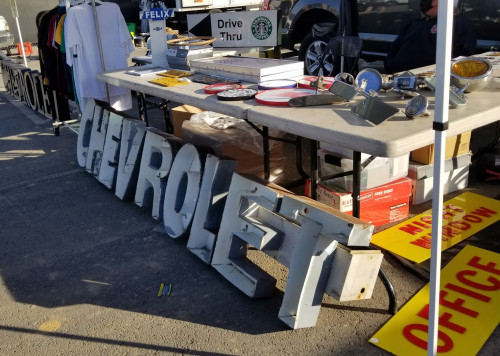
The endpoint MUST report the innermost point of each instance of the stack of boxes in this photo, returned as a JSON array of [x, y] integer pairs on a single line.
[[389, 185], [456, 168], [385, 189]]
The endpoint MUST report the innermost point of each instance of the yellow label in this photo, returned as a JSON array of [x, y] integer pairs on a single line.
[[468, 310], [463, 216], [167, 81]]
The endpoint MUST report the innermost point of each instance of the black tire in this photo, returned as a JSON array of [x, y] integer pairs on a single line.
[[311, 52]]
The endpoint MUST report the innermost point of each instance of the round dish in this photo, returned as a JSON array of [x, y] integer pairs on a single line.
[[373, 79], [217, 88], [236, 94], [416, 107], [277, 84], [472, 71], [280, 97]]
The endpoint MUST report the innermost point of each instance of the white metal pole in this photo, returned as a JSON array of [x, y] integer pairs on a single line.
[[443, 57], [15, 14]]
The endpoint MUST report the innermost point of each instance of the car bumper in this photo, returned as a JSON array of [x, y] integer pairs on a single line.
[[286, 38]]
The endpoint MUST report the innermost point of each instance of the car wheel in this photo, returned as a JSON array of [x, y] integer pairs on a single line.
[[311, 51]]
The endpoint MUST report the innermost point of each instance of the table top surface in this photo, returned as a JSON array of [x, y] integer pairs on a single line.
[[333, 124]]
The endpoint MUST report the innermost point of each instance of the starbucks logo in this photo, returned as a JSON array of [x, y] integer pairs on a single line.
[[262, 28]]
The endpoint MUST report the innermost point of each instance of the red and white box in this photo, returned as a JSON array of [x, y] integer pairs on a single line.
[[380, 205]]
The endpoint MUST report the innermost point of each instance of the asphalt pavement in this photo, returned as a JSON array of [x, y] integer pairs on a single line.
[[80, 270]]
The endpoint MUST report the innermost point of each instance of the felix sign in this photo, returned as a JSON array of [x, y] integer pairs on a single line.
[[156, 14]]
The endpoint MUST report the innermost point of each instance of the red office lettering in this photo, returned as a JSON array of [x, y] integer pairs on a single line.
[[472, 218], [484, 212], [467, 292], [490, 267], [495, 283], [411, 229], [444, 320], [422, 343], [457, 304], [461, 225]]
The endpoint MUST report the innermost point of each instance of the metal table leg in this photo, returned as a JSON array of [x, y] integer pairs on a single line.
[[146, 105]]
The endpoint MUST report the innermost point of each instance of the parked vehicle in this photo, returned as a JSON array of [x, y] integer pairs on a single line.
[[311, 23], [6, 37]]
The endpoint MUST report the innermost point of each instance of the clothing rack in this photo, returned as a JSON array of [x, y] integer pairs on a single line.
[[68, 3]]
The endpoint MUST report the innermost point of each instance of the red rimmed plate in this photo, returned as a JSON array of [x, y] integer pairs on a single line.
[[280, 97], [219, 87], [236, 94]]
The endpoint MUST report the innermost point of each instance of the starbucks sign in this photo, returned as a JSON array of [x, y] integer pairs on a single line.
[[262, 28]]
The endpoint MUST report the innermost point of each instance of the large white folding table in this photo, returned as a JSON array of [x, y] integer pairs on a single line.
[[333, 124]]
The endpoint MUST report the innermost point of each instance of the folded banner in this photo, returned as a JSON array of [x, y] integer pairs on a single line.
[[469, 304], [463, 216]]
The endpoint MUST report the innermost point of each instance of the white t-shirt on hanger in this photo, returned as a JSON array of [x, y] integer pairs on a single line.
[[83, 51]]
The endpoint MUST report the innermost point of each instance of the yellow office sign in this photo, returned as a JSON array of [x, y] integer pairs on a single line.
[[468, 309], [463, 216]]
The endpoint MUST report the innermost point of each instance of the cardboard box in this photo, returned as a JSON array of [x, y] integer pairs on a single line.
[[422, 189], [381, 170], [181, 113], [455, 146], [226, 143], [381, 205]]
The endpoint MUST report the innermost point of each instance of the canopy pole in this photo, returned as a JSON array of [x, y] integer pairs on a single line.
[[15, 14], [440, 125]]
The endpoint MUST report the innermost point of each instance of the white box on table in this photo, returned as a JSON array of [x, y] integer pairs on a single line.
[[249, 69], [381, 170]]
